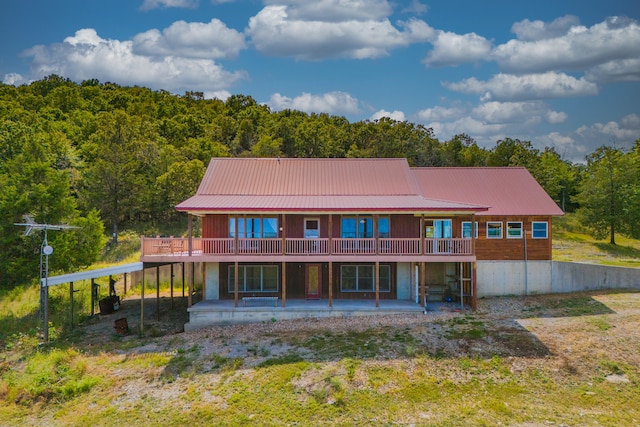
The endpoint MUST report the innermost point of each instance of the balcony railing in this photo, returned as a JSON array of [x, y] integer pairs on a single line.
[[171, 246]]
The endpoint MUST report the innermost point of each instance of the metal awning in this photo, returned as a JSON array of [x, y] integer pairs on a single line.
[[92, 274]]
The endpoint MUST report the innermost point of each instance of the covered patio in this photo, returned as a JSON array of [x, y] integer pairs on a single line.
[[221, 312]]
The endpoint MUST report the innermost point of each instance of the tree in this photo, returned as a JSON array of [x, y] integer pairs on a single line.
[[607, 184]]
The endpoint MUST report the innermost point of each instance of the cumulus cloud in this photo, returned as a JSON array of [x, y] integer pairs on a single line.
[[335, 10], [330, 29], [337, 103], [574, 47], [489, 121], [527, 87], [395, 115], [625, 70], [155, 4], [450, 49], [527, 30], [575, 145], [190, 39], [86, 55]]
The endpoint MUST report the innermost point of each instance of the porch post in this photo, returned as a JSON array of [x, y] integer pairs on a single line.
[[171, 280], [142, 304], [474, 300], [235, 284], [183, 280], [190, 233], [375, 235], [473, 234], [423, 286], [192, 278], [377, 284], [157, 292], [284, 284], [330, 282], [71, 303], [330, 251]]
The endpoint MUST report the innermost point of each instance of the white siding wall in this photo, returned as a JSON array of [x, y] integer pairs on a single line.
[[212, 287], [403, 280]]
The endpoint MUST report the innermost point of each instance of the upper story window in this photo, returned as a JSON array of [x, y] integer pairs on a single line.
[[466, 230], [514, 230], [253, 227], [494, 229], [540, 230], [361, 227], [438, 229], [311, 228]]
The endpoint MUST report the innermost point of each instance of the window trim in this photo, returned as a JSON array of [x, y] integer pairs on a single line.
[[306, 220], [238, 225], [475, 228], [373, 289], [546, 229], [243, 278], [501, 229], [521, 230]]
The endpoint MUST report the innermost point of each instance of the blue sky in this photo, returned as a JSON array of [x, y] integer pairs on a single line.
[[560, 73]]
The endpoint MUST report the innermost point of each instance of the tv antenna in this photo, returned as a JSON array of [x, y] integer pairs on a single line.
[[45, 251]]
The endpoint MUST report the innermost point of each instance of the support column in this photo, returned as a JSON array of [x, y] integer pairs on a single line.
[[93, 296], [192, 279], [474, 301], [235, 284], [284, 284], [158, 292], [377, 284], [142, 305], [71, 304], [171, 280], [183, 280], [124, 292], [423, 286], [330, 283]]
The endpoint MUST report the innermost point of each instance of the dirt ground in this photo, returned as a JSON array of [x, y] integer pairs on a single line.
[[570, 331]]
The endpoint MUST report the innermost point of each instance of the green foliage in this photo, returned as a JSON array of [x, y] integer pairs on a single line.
[[609, 193]]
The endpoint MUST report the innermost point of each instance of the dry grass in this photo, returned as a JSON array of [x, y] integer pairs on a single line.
[[540, 360]]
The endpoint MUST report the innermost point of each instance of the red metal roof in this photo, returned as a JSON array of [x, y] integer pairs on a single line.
[[507, 190], [252, 184]]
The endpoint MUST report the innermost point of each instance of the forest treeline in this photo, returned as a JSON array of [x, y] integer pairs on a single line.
[[106, 157]]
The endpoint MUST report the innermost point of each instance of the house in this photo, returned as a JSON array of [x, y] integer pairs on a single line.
[[302, 237]]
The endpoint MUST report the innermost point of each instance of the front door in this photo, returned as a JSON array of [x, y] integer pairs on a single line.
[[313, 279]]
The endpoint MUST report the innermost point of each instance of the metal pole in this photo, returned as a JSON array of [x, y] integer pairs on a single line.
[[71, 303]]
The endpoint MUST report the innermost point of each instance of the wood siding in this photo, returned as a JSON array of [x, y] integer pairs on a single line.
[[512, 249]]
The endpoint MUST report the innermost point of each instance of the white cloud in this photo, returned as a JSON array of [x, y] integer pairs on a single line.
[[194, 40], [337, 103], [577, 144], [624, 70], [334, 10], [440, 113], [280, 30], [538, 30], [579, 48], [395, 115], [154, 4], [14, 79], [86, 55], [450, 49], [527, 87], [416, 8], [521, 113]]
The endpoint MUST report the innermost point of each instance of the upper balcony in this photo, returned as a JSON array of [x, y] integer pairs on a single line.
[[161, 249]]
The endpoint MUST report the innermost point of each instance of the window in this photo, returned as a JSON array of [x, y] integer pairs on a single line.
[[466, 230], [254, 227], [494, 230], [514, 230], [540, 230], [359, 226], [311, 228], [254, 278], [361, 278], [383, 227], [437, 229]]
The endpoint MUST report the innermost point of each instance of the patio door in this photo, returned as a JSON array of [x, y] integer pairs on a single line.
[[313, 281]]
